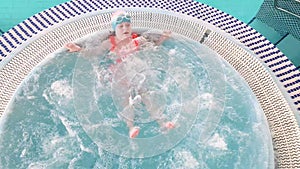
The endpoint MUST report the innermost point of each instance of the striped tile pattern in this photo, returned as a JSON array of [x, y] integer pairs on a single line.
[[280, 115]]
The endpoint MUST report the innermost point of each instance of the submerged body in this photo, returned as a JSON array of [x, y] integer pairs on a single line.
[[51, 125], [123, 44]]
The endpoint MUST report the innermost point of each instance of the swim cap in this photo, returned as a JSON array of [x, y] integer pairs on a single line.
[[119, 17]]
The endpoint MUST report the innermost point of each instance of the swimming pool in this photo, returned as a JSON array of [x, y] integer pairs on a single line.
[[196, 88], [210, 133]]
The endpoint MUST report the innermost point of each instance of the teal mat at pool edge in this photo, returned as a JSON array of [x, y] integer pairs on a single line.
[[12, 12]]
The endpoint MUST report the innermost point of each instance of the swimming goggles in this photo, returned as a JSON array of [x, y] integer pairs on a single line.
[[120, 19], [123, 18]]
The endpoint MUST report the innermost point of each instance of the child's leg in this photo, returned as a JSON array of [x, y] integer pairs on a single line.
[[128, 115], [126, 97], [155, 103]]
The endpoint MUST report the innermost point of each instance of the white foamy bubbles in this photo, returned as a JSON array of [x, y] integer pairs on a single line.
[[62, 88]]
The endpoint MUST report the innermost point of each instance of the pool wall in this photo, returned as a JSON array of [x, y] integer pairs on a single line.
[[272, 77]]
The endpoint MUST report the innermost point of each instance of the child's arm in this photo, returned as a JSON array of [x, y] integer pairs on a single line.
[[88, 51], [166, 35]]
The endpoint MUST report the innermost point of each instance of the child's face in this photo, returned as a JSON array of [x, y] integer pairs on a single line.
[[123, 30]]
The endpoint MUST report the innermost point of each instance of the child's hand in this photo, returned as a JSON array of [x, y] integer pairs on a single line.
[[167, 33], [72, 47]]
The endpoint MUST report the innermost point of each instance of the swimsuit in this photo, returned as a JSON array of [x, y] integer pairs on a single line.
[[114, 45], [112, 39]]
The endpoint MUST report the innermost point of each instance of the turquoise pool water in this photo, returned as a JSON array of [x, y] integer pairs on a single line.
[[69, 113]]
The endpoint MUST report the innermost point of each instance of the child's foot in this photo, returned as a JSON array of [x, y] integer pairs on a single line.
[[165, 127], [169, 125], [134, 132]]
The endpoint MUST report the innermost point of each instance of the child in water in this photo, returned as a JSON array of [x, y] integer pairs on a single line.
[[123, 43]]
